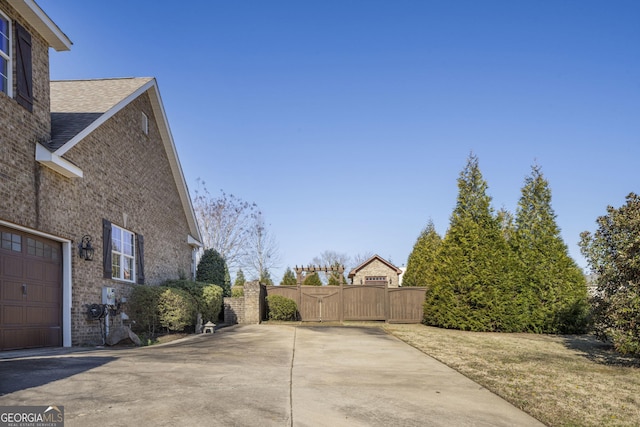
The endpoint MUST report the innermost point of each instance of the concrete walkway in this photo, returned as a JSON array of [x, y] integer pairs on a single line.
[[259, 375]]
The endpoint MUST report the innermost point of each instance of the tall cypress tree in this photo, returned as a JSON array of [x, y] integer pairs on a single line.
[[553, 284], [422, 260], [471, 289]]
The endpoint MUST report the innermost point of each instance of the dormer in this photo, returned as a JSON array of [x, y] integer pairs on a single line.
[[26, 34]]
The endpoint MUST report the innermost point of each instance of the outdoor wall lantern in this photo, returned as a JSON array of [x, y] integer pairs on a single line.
[[85, 250]]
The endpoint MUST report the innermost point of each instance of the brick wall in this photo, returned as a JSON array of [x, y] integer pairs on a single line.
[[127, 180], [233, 310], [249, 309], [19, 132]]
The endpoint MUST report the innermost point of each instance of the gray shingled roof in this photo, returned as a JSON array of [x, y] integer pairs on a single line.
[[75, 104]]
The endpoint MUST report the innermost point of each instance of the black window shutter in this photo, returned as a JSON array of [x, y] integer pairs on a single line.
[[140, 259], [24, 82], [106, 248]]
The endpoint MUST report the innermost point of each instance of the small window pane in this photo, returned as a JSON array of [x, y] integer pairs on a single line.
[[4, 35], [6, 240], [115, 267], [116, 239], [127, 246], [127, 269], [39, 249], [31, 246], [47, 251], [3, 74], [54, 254]]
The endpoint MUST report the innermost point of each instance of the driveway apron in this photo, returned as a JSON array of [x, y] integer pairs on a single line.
[[365, 377], [257, 375]]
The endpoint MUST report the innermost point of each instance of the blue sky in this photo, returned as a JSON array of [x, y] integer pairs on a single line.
[[348, 122]]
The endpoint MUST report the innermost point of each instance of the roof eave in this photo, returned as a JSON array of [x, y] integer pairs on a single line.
[[167, 139], [39, 20], [57, 163], [172, 154]]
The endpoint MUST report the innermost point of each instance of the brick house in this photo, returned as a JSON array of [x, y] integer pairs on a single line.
[[375, 271], [91, 161]]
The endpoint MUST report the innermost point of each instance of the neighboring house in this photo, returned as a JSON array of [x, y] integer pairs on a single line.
[[90, 159], [375, 271]]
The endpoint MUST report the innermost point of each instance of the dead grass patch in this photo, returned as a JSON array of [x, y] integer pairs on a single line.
[[560, 380]]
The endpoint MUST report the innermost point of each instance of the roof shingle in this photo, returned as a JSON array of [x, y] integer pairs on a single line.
[[75, 104]]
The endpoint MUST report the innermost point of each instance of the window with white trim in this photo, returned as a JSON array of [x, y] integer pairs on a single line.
[[123, 259], [5, 54]]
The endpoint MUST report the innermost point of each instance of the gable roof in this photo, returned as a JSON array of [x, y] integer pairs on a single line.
[[78, 107], [39, 20], [370, 260]]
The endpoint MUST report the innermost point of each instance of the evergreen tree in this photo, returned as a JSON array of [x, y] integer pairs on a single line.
[[265, 278], [422, 260], [613, 253], [212, 269], [289, 279], [335, 278], [552, 283], [240, 279], [471, 288], [312, 280]]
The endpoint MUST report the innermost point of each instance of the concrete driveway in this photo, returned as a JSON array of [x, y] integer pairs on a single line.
[[258, 375]]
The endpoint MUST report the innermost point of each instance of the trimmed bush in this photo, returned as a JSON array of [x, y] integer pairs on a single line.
[[174, 305], [281, 308], [176, 309], [212, 302], [142, 308]]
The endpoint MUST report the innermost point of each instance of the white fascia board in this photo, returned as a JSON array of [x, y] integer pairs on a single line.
[[192, 241], [57, 163], [30, 10], [172, 154], [103, 118]]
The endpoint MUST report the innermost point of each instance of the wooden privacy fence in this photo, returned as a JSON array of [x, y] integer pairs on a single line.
[[355, 302]]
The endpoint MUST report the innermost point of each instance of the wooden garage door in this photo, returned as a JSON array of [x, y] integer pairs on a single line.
[[30, 291]]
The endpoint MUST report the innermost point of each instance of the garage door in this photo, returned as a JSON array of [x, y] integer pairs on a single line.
[[30, 291]]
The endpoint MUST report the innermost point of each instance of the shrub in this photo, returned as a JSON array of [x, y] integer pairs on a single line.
[[212, 300], [574, 318], [208, 298], [174, 305], [281, 308], [176, 309], [237, 292], [142, 308], [212, 269]]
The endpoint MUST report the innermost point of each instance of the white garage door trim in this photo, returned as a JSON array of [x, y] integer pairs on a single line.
[[66, 277]]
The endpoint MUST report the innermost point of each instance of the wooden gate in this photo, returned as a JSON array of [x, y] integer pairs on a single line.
[[355, 302]]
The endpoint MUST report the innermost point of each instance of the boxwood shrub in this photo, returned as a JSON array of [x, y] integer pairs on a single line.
[[173, 306], [176, 309], [281, 308]]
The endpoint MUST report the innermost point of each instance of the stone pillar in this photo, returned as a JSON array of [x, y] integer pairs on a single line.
[[253, 302]]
